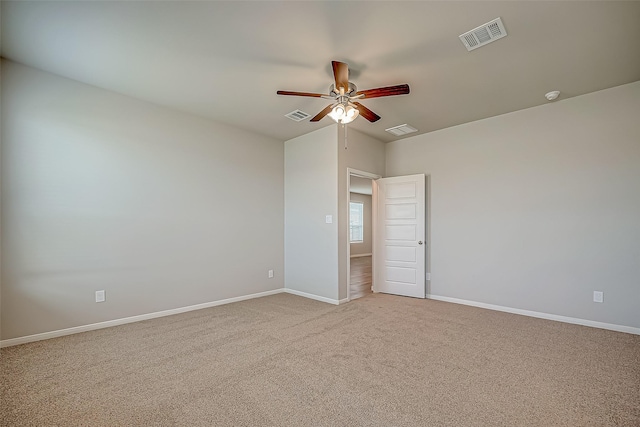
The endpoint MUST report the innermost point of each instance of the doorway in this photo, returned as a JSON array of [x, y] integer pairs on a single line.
[[360, 259], [399, 262]]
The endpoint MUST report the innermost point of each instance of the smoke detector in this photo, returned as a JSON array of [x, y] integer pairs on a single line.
[[552, 95], [297, 115], [484, 34]]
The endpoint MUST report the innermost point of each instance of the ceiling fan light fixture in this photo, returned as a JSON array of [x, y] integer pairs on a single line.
[[351, 114], [337, 113], [344, 113]]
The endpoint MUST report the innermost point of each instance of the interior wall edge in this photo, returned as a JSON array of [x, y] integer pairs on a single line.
[[313, 296]]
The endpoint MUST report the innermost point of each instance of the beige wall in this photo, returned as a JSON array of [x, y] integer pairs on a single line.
[[365, 246], [101, 191], [311, 182], [536, 209]]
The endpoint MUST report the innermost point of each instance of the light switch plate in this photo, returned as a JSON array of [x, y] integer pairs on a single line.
[[328, 219], [100, 296], [598, 296]]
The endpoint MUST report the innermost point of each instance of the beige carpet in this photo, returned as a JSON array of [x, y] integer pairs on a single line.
[[288, 361]]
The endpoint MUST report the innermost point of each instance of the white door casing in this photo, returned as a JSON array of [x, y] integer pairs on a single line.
[[400, 238]]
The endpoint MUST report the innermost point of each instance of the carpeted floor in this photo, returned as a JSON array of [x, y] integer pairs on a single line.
[[288, 361]]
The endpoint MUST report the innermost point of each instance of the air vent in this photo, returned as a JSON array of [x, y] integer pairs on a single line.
[[484, 34], [297, 115], [401, 130]]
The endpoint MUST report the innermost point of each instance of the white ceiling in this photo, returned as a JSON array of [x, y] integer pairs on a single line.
[[226, 60]]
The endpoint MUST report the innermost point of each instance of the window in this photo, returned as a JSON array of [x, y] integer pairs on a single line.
[[356, 222]]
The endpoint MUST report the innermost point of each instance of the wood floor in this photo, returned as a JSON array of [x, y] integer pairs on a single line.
[[360, 277]]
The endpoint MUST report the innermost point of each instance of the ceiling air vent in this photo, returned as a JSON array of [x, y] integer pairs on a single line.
[[297, 115], [401, 130], [484, 34]]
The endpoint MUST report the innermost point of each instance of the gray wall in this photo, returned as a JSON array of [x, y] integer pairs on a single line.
[[100, 191], [538, 208], [316, 185], [365, 246], [311, 182]]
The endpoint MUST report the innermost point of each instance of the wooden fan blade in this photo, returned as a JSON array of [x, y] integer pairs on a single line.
[[322, 113], [313, 95], [366, 113], [385, 91], [341, 75]]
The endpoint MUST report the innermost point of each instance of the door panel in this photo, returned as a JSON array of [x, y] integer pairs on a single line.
[[399, 246], [401, 274], [400, 191], [401, 232], [401, 253], [401, 211]]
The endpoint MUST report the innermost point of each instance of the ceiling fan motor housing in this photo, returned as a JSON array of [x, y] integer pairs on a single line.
[[348, 93]]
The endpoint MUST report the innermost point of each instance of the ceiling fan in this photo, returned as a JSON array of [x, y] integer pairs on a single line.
[[345, 95]]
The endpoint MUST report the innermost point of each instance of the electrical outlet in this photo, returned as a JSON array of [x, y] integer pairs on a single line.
[[598, 296], [428, 276], [100, 296], [328, 219], [270, 274]]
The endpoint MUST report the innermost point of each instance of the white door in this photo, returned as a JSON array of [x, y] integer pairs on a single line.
[[399, 246]]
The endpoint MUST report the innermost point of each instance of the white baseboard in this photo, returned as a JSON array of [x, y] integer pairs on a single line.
[[116, 322], [315, 297], [547, 316], [138, 318], [360, 255]]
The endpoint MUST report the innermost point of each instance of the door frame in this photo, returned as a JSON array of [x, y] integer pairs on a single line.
[[360, 174]]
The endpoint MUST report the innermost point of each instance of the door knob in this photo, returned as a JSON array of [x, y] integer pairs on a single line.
[[419, 242]]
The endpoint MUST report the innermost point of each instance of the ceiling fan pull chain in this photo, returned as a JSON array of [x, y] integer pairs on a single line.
[[345, 135]]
